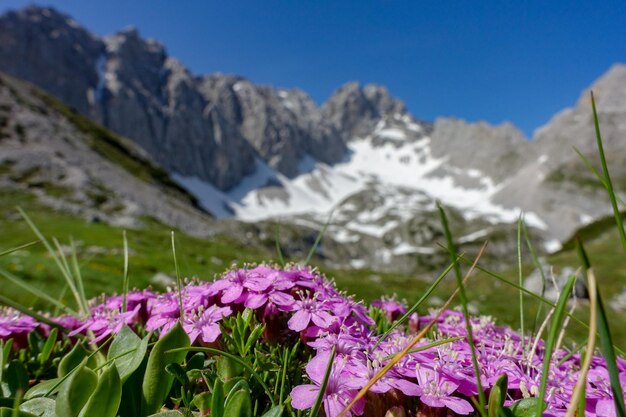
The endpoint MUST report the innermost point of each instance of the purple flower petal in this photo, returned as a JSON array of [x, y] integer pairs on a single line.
[[299, 321], [304, 396]]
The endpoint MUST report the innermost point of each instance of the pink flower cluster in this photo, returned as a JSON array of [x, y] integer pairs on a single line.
[[297, 301]]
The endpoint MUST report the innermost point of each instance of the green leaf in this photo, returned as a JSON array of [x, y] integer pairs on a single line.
[[177, 372], [195, 362], [43, 407], [228, 385], [10, 412], [203, 402], [167, 414], [3, 360], [41, 389], [228, 368], [46, 350], [6, 350], [157, 381], [73, 359], [525, 408], [132, 392], [127, 352], [239, 404], [217, 400], [249, 368], [497, 396], [105, 400], [241, 384], [75, 391], [274, 411], [16, 378]]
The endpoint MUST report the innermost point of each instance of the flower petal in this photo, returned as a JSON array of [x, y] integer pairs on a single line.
[[299, 321], [304, 396]]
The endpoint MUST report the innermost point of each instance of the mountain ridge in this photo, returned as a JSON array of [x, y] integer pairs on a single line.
[[258, 152]]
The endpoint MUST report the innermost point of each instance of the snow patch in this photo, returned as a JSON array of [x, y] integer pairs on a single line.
[[585, 219], [405, 248], [552, 245], [471, 237], [392, 134]]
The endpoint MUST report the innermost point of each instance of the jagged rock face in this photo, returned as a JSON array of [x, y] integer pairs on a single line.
[[79, 168], [154, 100], [354, 110], [281, 126], [498, 152], [574, 127], [50, 50], [209, 127], [556, 183]]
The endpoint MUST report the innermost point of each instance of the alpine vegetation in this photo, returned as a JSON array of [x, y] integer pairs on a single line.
[[271, 340]]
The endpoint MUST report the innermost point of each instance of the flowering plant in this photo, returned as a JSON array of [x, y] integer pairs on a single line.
[[295, 340]]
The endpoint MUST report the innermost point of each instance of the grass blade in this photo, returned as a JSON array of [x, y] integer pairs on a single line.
[[578, 394], [431, 345], [60, 264], [413, 341], [70, 277], [237, 359], [537, 297], [607, 177], [25, 310], [36, 292], [178, 280], [520, 276], [555, 327], [279, 251], [606, 347], [125, 280], [25, 245], [78, 277], [318, 239], [415, 306], [539, 267], [320, 395], [463, 298]]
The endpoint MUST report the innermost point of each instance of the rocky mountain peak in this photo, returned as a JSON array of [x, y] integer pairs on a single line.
[[49, 49], [382, 100], [354, 110], [498, 151], [609, 91]]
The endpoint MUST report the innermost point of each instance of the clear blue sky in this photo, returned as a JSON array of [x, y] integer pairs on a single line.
[[520, 61]]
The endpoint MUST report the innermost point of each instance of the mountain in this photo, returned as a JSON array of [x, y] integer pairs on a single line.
[[256, 153], [73, 165]]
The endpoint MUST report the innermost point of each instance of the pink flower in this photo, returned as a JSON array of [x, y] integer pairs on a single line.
[[205, 323], [436, 391], [341, 389], [307, 310], [103, 323]]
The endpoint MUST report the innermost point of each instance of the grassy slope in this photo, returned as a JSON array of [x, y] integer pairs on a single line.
[[151, 253], [100, 250]]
